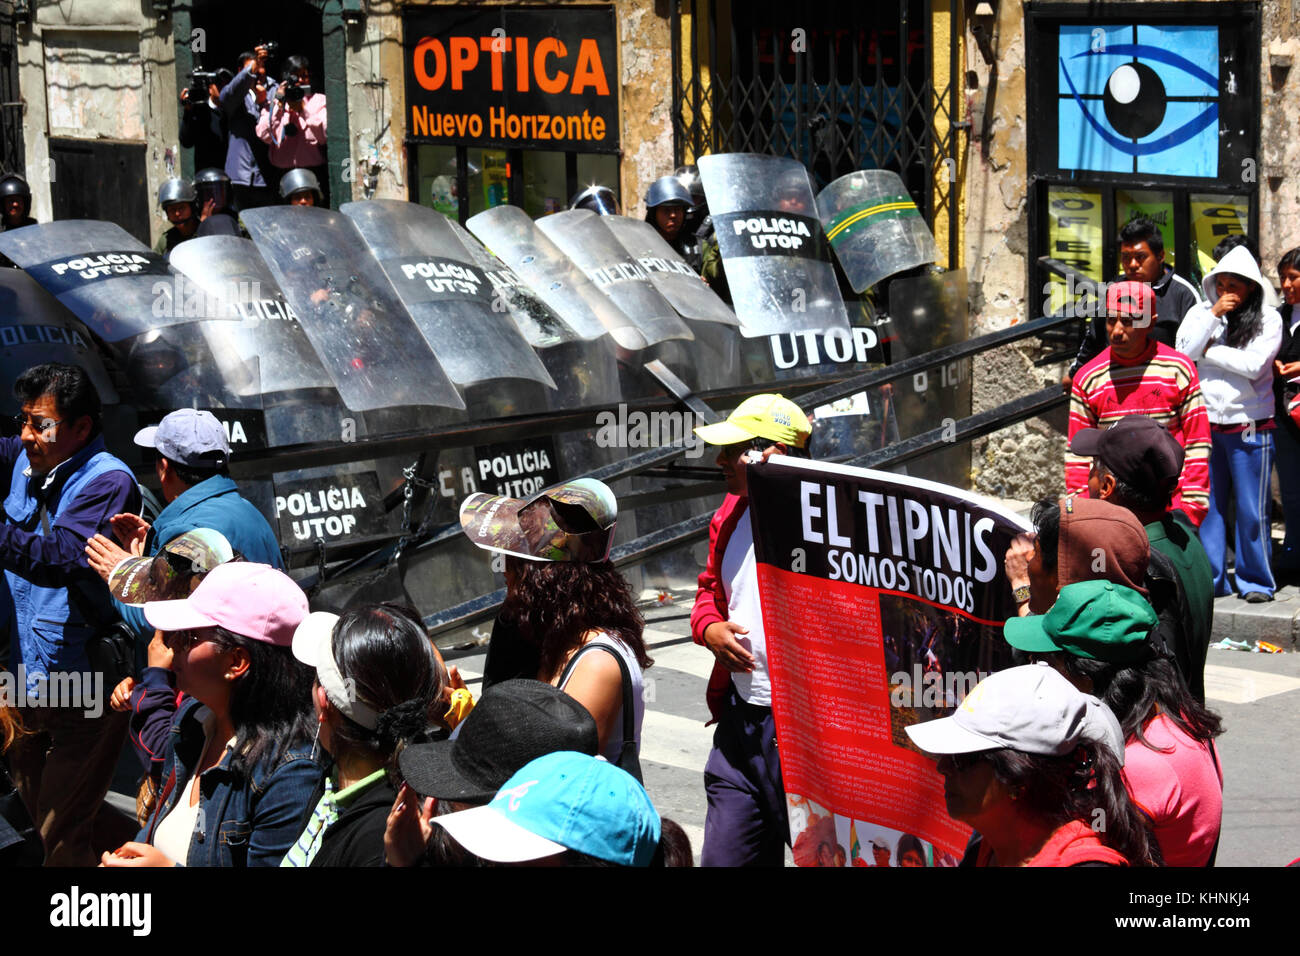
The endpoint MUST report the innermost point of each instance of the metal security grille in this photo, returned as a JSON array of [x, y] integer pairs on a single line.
[[840, 85], [11, 105]]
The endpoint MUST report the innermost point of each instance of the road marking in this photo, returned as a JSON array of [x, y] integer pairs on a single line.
[[681, 742], [1237, 685]]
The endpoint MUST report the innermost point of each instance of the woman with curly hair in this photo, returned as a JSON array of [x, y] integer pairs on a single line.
[[1031, 763], [378, 685], [565, 600]]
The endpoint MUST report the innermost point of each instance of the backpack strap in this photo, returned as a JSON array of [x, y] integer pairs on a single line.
[[627, 758]]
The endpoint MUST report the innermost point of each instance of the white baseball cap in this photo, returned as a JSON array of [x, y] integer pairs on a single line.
[[1032, 709]]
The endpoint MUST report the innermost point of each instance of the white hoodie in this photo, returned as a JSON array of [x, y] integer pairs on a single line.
[[1237, 383]]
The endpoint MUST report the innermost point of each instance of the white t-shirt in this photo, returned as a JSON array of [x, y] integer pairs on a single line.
[[614, 746], [740, 583], [175, 831]]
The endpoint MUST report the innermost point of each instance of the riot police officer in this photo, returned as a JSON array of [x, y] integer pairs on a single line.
[[179, 203], [300, 187], [214, 193], [667, 204], [599, 199], [15, 203]]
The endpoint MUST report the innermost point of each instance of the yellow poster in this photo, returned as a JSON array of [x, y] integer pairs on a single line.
[[1074, 238], [1214, 218], [1147, 204]]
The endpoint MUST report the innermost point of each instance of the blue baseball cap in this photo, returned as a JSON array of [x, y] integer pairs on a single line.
[[188, 437], [562, 801]]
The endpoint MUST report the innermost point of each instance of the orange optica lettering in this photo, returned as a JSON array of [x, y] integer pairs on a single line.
[[464, 57], [422, 50], [521, 64], [496, 46], [549, 84], [589, 71]]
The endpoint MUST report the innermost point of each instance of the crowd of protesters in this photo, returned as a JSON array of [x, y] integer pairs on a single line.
[[268, 735]]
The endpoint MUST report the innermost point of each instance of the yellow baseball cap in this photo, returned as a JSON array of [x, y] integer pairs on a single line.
[[761, 416]]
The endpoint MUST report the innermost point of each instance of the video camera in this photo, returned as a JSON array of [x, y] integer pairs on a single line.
[[292, 92], [272, 47], [200, 80]]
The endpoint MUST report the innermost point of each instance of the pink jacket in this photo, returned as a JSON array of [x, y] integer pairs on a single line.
[[711, 596], [307, 148]]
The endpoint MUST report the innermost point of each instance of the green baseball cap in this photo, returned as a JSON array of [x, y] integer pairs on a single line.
[[1099, 620], [571, 521]]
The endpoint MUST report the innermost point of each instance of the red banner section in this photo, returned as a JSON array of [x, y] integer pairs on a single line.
[[882, 599]]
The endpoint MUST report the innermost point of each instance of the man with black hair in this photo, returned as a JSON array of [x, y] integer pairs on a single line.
[[193, 470], [1136, 464], [203, 125], [64, 487], [1142, 254], [242, 101]]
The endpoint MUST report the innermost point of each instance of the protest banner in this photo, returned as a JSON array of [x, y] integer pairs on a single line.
[[883, 600]]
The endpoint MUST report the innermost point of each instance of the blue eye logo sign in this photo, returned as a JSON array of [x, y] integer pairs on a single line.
[[1128, 103]]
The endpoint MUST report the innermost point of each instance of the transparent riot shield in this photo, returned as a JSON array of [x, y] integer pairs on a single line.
[[930, 311], [264, 350], [554, 277], [586, 240], [538, 322], [105, 276], [449, 297], [35, 329], [874, 227], [348, 309], [670, 273], [773, 248]]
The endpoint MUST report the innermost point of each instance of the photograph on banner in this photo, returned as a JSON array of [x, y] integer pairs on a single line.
[[883, 602]]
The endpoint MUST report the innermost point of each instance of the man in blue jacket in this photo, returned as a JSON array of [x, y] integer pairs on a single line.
[[193, 469], [63, 488]]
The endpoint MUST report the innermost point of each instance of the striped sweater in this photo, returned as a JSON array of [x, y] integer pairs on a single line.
[[1161, 383]]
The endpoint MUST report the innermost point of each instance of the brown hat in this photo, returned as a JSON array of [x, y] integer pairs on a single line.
[[1100, 541]]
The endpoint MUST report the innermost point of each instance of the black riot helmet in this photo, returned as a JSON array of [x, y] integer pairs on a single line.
[[15, 185], [214, 184], [667, 190], [599, 199], [299, 181]]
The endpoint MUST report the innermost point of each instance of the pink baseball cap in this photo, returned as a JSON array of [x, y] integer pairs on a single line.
[[253, 600]]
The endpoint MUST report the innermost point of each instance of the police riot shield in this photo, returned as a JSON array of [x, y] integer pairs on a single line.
[[557, 279], [348, 309], [772, 244], [874, 227], [670, 273], [449, 297], [264, 350], [102, 273], [536, 320], [35, 329], [585, 239]]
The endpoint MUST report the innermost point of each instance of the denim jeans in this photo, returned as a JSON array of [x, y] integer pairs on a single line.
[[1241, 465]]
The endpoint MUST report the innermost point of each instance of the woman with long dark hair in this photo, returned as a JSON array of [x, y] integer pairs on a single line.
[[1286, 369], [378, 683], [1031, 764], [568, 602], [1098, 636], [238, 773], [1234, 338]]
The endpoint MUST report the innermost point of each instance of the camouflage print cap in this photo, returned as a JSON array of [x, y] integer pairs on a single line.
[[571, 521], [173, 573]]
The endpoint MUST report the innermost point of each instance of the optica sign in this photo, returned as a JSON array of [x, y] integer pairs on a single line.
[[507, 77]]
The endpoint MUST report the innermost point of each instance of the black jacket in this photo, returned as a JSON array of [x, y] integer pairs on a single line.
[[204, 129], [357, 837]]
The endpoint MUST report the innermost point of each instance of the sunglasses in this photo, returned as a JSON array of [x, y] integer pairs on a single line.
[[187, 640], [39, 425]]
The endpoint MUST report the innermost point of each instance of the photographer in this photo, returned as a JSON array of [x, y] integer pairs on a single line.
[[242, 101], [294, 126], [203, 127]]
